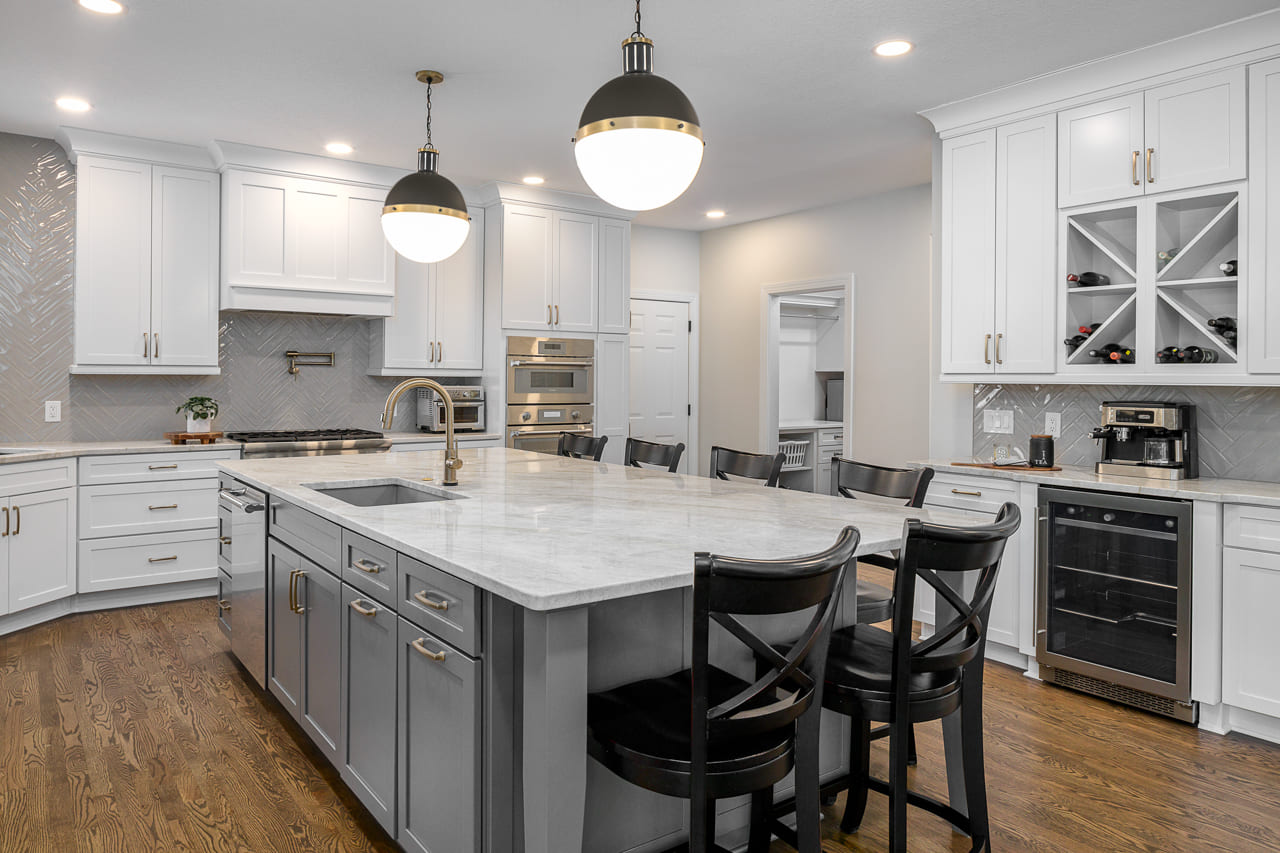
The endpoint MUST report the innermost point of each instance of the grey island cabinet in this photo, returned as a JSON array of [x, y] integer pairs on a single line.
[[438, 646]]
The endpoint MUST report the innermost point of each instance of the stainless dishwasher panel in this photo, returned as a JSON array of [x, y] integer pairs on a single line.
[[246, 509]]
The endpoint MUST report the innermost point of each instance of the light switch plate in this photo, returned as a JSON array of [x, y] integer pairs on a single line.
[[52, 411], [999, 421], [1053, 424]]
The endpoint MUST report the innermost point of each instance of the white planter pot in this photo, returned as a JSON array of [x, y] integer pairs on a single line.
[[199, 424]]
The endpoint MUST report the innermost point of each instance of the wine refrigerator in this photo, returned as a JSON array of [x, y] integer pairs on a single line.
[[1113, 608]]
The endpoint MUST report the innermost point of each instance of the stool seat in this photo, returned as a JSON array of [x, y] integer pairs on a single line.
[[641, 731], [860, 666], [875, 603]]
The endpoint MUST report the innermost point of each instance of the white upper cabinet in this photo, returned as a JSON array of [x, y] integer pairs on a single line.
[[968, 252], [528, 267], [438, 324], [1262, 326], [1025, 295], [1185, 134], [1101, 151], [146, 286], [577, 279], [615, 276]]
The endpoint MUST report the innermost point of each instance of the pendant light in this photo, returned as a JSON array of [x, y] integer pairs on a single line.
[[425, 216], [639, 144]]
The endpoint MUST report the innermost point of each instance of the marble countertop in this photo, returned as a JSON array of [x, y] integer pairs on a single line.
[[802, 425], [547, 532], [416, 437], [1202, 489]]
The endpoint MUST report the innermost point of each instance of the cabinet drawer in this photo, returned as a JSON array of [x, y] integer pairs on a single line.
[[315, 538], [130, 508], [151, 467], [976, 493], [21, 477], [828, 437], [223, 603], [1256, 527], [439, 603], [369, 567], [129, 561]]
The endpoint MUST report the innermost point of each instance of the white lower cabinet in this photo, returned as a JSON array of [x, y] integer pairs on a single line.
[[125, 562], [368, 661], [1250, 591], [613, 400], [39, 547], [440, 745]]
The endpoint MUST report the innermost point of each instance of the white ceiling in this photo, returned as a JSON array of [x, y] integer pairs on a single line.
[[796, 110]]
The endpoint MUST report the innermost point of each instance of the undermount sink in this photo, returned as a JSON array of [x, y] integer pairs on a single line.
[[382, 494]]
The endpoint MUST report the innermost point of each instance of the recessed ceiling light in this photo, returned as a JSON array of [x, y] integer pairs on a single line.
[[715, 214], [75, 105], [105, 7], [338, 148], [896, 47], [534, 180]]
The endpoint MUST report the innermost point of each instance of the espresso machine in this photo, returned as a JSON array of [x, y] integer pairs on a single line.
[[1153, 440]]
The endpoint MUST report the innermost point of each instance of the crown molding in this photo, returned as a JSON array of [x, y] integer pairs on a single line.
[[77, 140], [500, 192]]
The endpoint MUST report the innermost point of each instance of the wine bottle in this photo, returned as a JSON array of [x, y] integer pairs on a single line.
[[1090, 329], [1124, 355], [1199, 355], [1104, 353], [1090, 279], [1168, 254], [1073, 343], [1223, 324], [1230, 337], [1230, 267], [1169, 355]]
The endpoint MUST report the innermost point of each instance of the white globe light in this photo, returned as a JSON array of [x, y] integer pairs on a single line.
[[424, 237], [639, 168]]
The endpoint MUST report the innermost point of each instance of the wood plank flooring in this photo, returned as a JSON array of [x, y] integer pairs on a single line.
[[132, 730]]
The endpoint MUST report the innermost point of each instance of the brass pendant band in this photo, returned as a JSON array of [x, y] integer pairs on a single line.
[[425, 208], [651, 122]]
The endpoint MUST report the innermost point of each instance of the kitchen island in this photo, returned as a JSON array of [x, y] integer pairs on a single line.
[[551, 577]]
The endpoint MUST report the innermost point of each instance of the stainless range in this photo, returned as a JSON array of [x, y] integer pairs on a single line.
[[262, 444], [550, 389]]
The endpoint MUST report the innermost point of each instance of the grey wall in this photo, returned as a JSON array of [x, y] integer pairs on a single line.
[[37, 259], [1239, 427]]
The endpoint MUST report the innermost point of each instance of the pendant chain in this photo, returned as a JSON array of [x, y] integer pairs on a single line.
[[429, 114], [637, 32]]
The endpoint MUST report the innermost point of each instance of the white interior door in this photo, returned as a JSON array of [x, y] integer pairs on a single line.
[[660, 373]]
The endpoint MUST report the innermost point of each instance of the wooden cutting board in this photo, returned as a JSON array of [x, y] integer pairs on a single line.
[[995, 467], [184, 437]]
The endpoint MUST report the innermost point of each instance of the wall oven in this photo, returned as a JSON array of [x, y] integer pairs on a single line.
[[1113, 609], [550, 370]]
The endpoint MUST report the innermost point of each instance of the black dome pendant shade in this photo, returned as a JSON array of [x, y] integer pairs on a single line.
[[426, 190], [637, 94]]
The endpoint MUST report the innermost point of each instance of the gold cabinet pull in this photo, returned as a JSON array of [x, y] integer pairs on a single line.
[[1151, 179], [155, 349], [17, 520], [363, 611], [6, 523], [168, 559], [297, 595], [425, 652], [146, 345], [998, 338], [367, 566], [224, 606], [1136, 181], [548, 315], [557, 315], [986, 348], [225, 540], [426, 601], [432, 358], [440, 352], [161, 467], [293, 591], [166, 506], [963, 492]]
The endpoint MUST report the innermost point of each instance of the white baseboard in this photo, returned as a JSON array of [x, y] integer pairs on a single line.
[[1223, 719], [85, 602]]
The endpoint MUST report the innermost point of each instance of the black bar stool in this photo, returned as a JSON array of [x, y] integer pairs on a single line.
[[881, 676], [582, 446], [653, 453], [704, 734], [752, 466]]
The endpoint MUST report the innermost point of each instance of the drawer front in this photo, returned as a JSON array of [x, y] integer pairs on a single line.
[[982, 494], [316, 538], [132, 508], [369, 567], [21, 477], [1254, 527], [440, 603], [151, 467], [131, 561], [223, 603], [831, 437]]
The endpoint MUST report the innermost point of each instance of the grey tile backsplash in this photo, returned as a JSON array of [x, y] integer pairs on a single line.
[[1239, 427], [37, 263]]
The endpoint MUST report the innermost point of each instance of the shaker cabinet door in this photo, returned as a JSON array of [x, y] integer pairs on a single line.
[[1100, 149], [320, 597], [184, 267], [615, 276], [440, 739], [459, 303], [968, 252], [527, 273], [404, 339], [1195, 132], [42, 549], [368, 663], [284, 641], [1262, 325], [576, 272]]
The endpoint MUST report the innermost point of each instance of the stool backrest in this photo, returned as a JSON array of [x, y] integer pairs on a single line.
[[753, 466], [653, 453], [727, 587], [942, 556], [906, 484], [582, 446]]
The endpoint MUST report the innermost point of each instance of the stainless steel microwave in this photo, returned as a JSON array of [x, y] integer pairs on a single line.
[[468, 410], [550, 370]]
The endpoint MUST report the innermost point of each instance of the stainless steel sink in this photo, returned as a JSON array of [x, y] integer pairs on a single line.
[[382, 494]]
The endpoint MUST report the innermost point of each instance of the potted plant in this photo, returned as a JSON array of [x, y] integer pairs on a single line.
[[200, 413]]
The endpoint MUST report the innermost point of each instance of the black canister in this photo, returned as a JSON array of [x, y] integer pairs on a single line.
[[1041, 455]]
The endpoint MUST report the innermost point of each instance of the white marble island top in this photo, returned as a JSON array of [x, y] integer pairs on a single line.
[[547, 532]]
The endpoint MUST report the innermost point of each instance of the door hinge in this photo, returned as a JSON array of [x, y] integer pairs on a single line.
[[690, 409], [691, 326]]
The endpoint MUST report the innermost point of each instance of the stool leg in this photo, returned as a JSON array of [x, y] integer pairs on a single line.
[[761, 805], [898, 731], [702, 826], [911, 746], [975, 779], [808, 797], [855, 804]]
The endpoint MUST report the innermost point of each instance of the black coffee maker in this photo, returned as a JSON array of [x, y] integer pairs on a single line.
[[1153, 440]]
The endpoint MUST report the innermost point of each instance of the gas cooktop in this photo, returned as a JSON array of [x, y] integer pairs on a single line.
[[308, 442], [301, 434]]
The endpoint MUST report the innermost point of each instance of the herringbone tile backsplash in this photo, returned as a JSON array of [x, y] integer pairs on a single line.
[[37, 262], [1239, 427]]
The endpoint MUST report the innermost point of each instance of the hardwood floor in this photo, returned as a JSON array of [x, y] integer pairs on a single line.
[[132, 730]]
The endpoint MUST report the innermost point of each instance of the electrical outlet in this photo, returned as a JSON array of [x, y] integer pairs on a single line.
[[52, 411], [998, 421], [1053, 424]]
